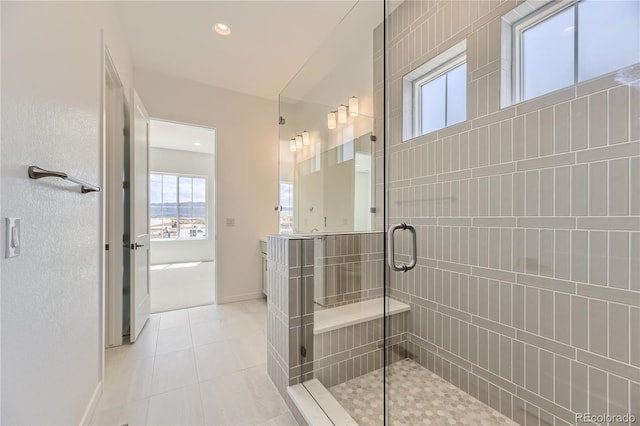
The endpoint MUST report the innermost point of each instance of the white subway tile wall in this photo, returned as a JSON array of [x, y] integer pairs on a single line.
[[527, 289]]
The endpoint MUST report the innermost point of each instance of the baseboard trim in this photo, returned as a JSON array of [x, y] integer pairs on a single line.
[[91, 408], [241, 297]]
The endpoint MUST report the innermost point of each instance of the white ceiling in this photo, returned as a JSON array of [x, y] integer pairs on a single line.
[[269, 41], [183, 137]]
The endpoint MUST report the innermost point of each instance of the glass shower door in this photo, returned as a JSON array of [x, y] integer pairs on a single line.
[[512, 148]]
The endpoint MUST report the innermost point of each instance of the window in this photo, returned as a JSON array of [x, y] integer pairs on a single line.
[[435, 94], [178, 207], [564, 43]]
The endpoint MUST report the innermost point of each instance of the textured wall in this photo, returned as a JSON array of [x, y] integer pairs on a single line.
[[52, 293], [526, 293]]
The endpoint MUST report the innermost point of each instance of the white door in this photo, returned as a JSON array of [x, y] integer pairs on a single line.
[[139, 210]]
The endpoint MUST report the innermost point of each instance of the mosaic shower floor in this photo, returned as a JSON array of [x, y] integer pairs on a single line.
[[416, 397]]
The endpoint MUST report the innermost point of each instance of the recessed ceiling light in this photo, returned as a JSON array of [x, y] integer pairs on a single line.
[[222, 29], [197, 143]]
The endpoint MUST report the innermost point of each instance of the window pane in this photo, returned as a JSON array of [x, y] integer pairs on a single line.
[[199, 208], [457, 95], [548, 55], [609, 36], [347, 151], [186, 207], [432, 98]]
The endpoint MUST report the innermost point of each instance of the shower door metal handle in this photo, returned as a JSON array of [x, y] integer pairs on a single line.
[[404, 267]]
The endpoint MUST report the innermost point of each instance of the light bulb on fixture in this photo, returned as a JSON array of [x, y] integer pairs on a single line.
[[292, 145], [298, 141], [331, 120], [353, 106], [342, 114], [306, 138]]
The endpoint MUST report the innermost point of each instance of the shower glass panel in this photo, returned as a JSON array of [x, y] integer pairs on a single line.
[[525, 300], [331, 181]]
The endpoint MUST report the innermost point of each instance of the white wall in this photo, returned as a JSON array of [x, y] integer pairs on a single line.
[[51, 294], [187, 163], [246, 169]]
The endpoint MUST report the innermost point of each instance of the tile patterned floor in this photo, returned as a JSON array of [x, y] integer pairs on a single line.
[[197, 366], [417, 397]]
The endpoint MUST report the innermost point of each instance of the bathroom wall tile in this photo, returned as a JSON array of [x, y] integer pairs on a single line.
[[562, 382], [619, 259], [619, 332], [518, 362], [532, 260], [532, 185], [562, 191], [634, 336], [518, 138], [598, 320], [609, 152], [531, 368], [546, 192], [598, 119], [546, 314], [483, 196], [505, 357], [598, 189], [618, 396], [619, 187], [546, 378], [494, 143], [579, 387], [579, 322], [634, 112], [505, 249], [506, 191], [597, 391], [579, 187], [598, 257], [483, 144], [546, 131], [506, 141], [579, 120], [494, 196], [634, 261], [619, 114], [562, 127], [562, 320], [562, 254], [579, 244], [518, 194], [634, 399], [531, 135], [519, 250], [531, 310], [634, 178]]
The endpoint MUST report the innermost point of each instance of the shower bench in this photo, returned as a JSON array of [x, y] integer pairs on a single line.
[[354, 313]]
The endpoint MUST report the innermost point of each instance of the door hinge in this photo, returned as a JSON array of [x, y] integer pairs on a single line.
[[282, 121], [303, 351], [106, 247], [373, 138], [372, 209]]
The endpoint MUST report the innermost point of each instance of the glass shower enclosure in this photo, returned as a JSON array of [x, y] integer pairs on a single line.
[[473, 218]]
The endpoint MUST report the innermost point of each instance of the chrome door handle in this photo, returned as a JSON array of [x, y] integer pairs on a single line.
[[136, 246], [391, 244]]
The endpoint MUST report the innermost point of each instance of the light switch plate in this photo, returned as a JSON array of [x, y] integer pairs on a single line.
[[12, 247]]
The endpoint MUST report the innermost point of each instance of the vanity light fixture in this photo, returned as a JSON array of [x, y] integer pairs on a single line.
[[222, 29], [342, 114], [331, 120], [292, 145], [353, 106], [299, 141], [306, 138]]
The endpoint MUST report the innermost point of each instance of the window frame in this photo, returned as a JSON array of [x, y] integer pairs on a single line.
[[206, 205], [528, 21], [437, 72], [431, 69]]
